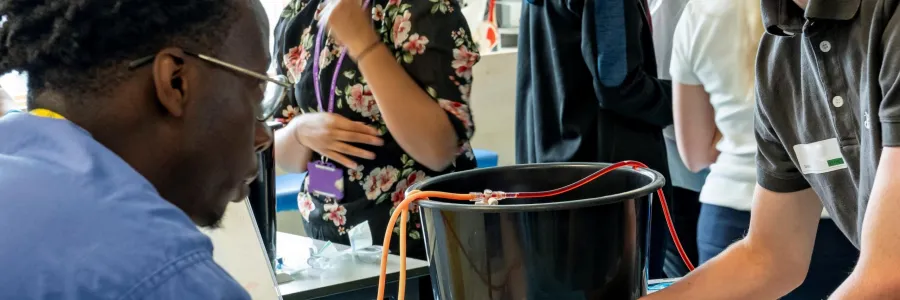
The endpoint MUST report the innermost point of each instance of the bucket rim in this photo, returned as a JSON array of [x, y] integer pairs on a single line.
[[656, 181]]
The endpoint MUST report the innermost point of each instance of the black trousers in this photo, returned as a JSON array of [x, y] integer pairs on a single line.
[[685, 210]]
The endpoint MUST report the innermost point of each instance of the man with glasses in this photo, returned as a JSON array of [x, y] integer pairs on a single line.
[[104, 182]]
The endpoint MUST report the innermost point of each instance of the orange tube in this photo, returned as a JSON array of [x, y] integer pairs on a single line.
[[403, 210], [404, 219]]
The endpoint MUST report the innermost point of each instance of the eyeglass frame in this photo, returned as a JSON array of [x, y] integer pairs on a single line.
[[137, 63]]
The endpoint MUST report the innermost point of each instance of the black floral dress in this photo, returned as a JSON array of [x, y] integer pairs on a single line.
[[430, 39]]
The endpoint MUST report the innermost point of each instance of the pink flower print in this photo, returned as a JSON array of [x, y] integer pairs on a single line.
[[387, 177], [378, 13], [362, 101], [306, 205], [393, 3], [380, 180], [416, 44], [467, 150], [289, 113], [400, 192], [401, 28], [319, 10], [372, 190], [464, 91], [335, 213], [355, 174], [461, 111], [463, 61], [325, 57], [415, 177], [295, 61]]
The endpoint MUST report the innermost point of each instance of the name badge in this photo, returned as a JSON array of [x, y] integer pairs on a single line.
[[820, 157], [325, 180]]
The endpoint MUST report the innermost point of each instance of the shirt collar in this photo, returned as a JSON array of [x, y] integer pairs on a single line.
[[785, 18]]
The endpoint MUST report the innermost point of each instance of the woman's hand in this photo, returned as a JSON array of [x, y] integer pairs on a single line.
[[350, 24], [329, 134]]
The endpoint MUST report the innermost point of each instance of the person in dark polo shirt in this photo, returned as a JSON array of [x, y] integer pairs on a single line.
[[828, 131]]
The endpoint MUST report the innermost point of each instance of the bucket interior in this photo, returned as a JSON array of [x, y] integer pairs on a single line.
[[623, 183]]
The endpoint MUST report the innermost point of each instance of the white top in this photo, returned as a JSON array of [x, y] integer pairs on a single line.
[[705, 52], [665, 15]]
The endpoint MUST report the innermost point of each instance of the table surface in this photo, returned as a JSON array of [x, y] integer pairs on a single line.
[[360, 275]]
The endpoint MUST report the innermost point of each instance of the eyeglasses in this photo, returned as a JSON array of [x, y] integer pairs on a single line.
[[276, 88]]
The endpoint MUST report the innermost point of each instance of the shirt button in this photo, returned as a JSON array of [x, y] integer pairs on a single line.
[[825, 46], [837, 101]]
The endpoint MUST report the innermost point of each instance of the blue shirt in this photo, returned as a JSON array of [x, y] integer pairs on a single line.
[[79, 223]]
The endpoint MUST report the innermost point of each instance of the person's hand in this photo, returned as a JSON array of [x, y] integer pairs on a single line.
[[350, 24], [329, 134]]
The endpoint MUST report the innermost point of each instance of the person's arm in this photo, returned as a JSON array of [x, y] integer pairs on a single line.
[[767, 264], [197, 277], [695, 128], [415, 120], [875, 275], [625, 87], [422, 93], [290, 155]]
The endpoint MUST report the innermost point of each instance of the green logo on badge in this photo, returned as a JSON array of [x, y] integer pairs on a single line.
[[835, 162]]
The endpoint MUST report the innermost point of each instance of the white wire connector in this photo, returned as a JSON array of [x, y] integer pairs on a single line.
[[488, 197]]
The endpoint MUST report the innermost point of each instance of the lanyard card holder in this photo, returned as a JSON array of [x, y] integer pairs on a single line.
[[326, 180]]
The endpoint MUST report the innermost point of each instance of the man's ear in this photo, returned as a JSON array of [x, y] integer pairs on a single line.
[[170, 80]]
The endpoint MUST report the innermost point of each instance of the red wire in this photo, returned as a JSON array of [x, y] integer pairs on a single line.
[[577, 184], [665, 208], [604, 171]]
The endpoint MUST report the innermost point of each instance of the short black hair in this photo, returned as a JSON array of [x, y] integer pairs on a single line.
[[80, 46]]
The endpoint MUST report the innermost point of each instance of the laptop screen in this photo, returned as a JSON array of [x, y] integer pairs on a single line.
[[240, 251]]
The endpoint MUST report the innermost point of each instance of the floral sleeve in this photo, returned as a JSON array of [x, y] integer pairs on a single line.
[[430, 39]]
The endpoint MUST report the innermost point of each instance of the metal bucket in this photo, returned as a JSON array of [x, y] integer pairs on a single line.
[[588, 243]]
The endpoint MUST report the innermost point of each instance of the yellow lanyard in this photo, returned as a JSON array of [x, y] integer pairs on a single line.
[[46, 113]]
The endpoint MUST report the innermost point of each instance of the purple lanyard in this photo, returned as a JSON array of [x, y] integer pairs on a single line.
[[337, 69]]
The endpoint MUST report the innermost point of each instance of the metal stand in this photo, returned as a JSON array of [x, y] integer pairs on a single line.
[[262, 198]]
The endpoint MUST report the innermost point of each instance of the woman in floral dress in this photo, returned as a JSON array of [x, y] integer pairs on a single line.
[[400, 112]]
